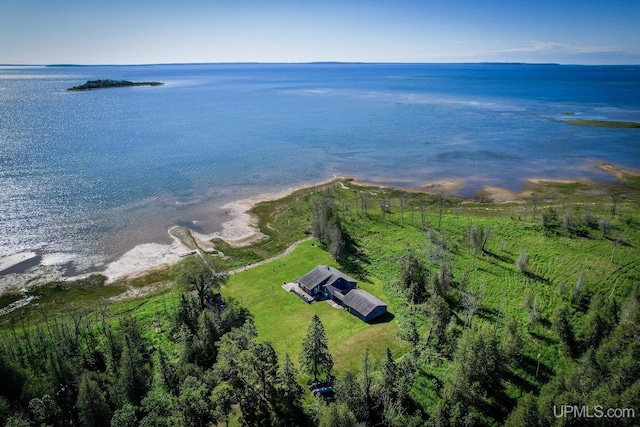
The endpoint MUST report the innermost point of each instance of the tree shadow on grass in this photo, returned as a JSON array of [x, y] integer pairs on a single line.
[[354, 267], [354, 260], [530, 365], [489, 314], [542, 338], [523, 384], [535, 277], [499, 257]]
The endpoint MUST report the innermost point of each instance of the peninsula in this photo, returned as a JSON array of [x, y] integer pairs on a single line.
[[105, 84]]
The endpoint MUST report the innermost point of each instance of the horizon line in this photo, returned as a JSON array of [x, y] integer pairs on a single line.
[[313, 63]]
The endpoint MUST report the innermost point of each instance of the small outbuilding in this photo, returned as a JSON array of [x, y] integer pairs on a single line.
[[362, 304]]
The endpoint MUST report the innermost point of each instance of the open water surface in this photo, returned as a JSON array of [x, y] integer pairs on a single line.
[[85, 176]]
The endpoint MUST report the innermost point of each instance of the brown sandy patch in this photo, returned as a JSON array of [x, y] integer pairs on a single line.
[[443, 186], [542, 181], [503, 195], [618, 172]]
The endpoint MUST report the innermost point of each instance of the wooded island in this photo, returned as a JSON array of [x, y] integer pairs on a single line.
[[105, 84]]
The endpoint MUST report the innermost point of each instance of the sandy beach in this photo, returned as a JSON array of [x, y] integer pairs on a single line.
[[240, 228], [15, 259]]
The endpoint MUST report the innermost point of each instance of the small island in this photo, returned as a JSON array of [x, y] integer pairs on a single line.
[[105, 84], [603, 123]]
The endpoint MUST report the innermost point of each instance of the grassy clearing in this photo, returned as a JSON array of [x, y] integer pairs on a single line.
[[283, 318]]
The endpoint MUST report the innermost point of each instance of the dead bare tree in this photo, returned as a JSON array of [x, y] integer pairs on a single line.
[[471, 302]]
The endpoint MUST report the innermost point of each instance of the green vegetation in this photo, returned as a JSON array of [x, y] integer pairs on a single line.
[[498, 312], [603, 123], [106, 84]]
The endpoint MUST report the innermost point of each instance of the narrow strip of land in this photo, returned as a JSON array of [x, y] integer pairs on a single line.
[[265, 261]]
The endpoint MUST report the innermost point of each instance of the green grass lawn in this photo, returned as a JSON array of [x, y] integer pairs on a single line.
[[283, 318]]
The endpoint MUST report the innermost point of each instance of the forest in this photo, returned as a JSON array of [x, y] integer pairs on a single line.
[[523, 313]]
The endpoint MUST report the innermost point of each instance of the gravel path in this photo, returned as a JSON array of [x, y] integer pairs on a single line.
[[283, 254]]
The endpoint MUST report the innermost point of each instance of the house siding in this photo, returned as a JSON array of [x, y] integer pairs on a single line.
[[379, 311]]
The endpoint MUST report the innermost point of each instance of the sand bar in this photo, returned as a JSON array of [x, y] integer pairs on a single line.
[[15, 259]]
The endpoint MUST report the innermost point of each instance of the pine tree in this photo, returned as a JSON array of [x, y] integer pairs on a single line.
[[291, 390], [389, 375], [125, 417], [565, 331], [349, 392], [288, 408], [134, 373], [222, 397], [93, 409], [414, 277], [315, 356]]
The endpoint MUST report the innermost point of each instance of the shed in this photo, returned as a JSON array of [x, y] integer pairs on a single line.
[[362, 304]]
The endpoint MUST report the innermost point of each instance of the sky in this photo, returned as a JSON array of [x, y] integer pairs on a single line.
[[189, 31]]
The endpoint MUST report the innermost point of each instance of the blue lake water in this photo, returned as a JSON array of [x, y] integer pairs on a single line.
[[85, 176]]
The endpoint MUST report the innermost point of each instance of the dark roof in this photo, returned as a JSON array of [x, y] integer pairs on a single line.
[[322, 275], [362, 301], [337, 293]]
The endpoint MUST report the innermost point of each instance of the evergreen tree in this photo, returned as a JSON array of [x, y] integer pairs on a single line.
[[414, 277], [261, 369], [315, 356], [208, 336], [597, 324], [187, 314], [439, 314], [291, 390], [367, 379], [336, 415], [125, 416], [134, 373], [348, 391], [564, 330], [159, 408], [92, 406], [389, 376], [222, 398], [289, 406], [476, 371], [193, 402], [168, 373], [525, 414]]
